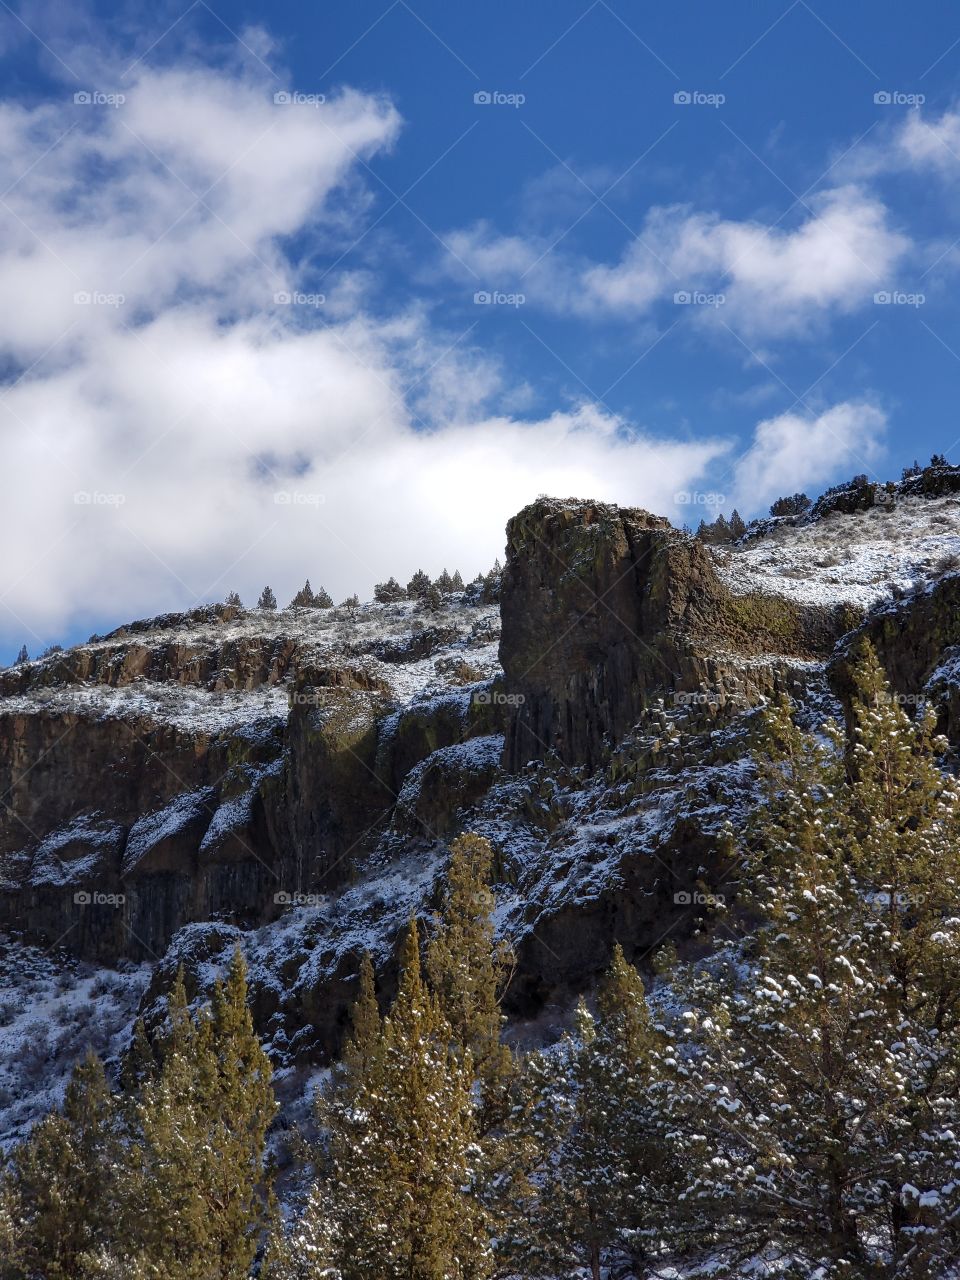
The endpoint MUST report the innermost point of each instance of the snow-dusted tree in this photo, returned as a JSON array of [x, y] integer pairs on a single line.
[[233, 600], [351, 602], [432, 599], [456, 582], [389, 591], [418, 585], [267, 599], [817, 1106], [65, 1178], [608, 1182], [322, 599], [22, 657]]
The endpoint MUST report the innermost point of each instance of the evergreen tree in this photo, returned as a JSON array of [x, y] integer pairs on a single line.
[[419, 585], [402, 1148], [22, 657], [267, 599], [608, 1182], [233, 600], [200, 1185], [322, 599], [432, 600], [444, 583], [388, 592], [304, 598], [467, 969], [737, 525], [816, 1107], [796, 504], [64, 1178], [456, 582], [351, 602]]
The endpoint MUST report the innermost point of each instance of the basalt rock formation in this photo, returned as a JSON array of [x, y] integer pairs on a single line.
[[289, 780]]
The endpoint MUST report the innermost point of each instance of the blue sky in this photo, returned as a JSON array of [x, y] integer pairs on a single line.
[[332, 290]]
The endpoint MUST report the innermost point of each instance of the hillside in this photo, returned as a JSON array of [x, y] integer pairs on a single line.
[[290, 779]]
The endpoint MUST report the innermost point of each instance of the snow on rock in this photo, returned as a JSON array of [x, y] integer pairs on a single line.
[[854, 559]]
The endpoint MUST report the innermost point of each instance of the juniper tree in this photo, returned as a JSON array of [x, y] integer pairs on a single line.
[[444, 583], [467, 969], [22, 657], [607, 1180], [304, 598], [388, 592], [233, 600], [402, 1148], [199, 1182], [267, 599], [419, 585], [818, 1094], [64, 1178], [322, 599]]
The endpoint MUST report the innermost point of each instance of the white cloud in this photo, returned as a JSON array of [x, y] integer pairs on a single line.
[[183, 412], [794, 451], [774, 281]]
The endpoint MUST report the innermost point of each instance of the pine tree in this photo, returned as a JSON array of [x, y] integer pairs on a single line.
[[233, 600], [444, 583], [65, 1177], [419, 585], [267, 599], [402, 1150], [456, 582], [22, 657], [322, 599], [737, 526]]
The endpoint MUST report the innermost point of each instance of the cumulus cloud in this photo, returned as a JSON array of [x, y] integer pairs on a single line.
[[168, 430], [794, 450], [770, 280]]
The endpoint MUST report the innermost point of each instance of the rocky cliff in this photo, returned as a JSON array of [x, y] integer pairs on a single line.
[[289, 780]]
